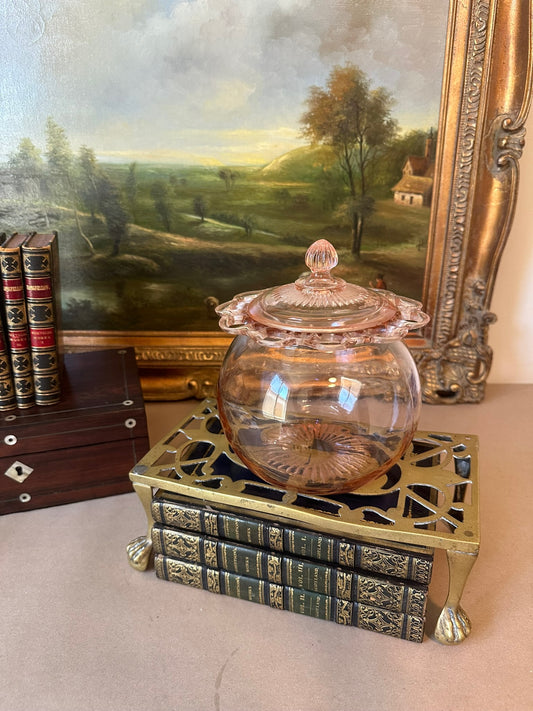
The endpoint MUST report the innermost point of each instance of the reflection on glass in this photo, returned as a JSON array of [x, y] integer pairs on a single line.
[[317, 392], [315, 421], [276, 398], [349, 392]]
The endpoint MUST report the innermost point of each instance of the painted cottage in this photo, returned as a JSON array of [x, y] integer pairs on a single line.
[[416, 184]]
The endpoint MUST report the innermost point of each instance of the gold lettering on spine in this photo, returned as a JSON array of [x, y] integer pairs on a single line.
[[224, 555], [261, 592], [326, 613], [327, 578], [290, 541], [295, 573], [259, 563], [290, 599], [301, 599]]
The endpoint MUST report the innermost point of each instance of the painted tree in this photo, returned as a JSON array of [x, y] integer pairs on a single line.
[[60, 164], [228, 176], [131, 189], [88, 179], [199, 205], [162, 204], [110, 205], [413, 143], [62, 178], [355, 120], [26, 168], [248, 222]]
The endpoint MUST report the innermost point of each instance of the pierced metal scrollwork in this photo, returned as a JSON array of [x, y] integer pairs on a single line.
[[428, 490], [428, 499]]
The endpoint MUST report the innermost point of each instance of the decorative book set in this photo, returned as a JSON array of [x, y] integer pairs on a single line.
[[290, 568], [71, 425], [362, 559], [30, 361]]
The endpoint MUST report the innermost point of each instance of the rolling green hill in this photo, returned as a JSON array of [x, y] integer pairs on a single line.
[[303, 164]]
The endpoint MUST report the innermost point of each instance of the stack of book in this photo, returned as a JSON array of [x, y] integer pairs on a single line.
[[351, 582], [29, 329]]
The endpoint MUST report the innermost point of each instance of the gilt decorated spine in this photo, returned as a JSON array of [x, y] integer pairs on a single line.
[[335, 550], [284, 597], [7, 390], [40, 267], [16, 319], [398, 596]]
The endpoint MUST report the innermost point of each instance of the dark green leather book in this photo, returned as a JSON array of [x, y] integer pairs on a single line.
[[284, 597], [404, 563], [398, 596]]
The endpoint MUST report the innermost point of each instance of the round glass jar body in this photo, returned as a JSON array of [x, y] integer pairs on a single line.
[[318, 421]]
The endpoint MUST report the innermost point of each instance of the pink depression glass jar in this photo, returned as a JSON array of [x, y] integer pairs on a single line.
[[317, 392]]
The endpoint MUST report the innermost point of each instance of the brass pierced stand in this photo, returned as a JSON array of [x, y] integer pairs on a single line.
[[429, 499]]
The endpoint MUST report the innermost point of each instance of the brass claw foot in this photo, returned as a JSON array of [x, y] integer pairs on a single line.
[[453, 626], [139, 551]]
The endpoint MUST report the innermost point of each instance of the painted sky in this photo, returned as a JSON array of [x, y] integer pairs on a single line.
[[199, 81]]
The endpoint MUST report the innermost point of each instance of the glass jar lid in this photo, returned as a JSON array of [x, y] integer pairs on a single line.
[[321, 310]]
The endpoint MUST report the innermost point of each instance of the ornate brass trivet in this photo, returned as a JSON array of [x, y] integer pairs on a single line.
[[429, 499]]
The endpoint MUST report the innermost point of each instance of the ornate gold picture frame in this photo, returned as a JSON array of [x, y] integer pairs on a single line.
[[485, 98]]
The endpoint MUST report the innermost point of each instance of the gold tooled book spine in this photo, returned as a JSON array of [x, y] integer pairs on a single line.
[[16, 319], [312, 545], [40, 268], [7, 389], [311, 576], [303, 602]]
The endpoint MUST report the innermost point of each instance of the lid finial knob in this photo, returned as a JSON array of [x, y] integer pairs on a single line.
[[321, 257]]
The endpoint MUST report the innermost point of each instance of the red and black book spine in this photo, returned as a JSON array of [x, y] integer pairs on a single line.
[[7, 390], [16, 319], [40, 268]]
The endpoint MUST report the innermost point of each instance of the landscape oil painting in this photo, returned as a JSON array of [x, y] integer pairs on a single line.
[[188, 150]]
